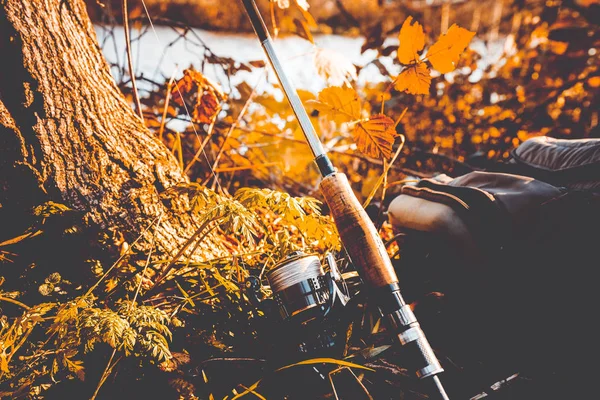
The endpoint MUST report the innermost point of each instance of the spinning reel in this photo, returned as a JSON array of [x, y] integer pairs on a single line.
[[307, 304]]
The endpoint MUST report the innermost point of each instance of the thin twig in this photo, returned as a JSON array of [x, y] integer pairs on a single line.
[[229, 132], [276, 135], [137, 291], [90, 290], [185, 246], [136, 96], [163, 121], [17, 302], [401, 182], [204, 142], [106, 373], [245, 167]]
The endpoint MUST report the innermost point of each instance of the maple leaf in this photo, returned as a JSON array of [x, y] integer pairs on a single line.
[[412, 40], [340, 103], [375, 136], [414, 80], [444, 54], [334, 67]]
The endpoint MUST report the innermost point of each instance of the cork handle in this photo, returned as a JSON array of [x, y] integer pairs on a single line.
[[358, 234]]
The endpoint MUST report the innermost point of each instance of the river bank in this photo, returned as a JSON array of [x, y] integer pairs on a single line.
[[348, 17], [158, 57]]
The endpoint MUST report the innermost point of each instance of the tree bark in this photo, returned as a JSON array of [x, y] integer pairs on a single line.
[[67, 134]]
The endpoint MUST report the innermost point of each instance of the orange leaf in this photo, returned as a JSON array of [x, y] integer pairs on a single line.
[[340, 103], [206, 107], [594, 81], [412, 40], [303, 30], [558, 47], [414, 80], [375, 136], [444, 54], [182, 88]]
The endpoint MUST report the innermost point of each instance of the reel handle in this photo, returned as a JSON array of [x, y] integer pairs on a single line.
[[369, 255], [357, 232]]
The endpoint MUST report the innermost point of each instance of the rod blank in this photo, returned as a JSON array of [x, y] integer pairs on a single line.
[[289, 90]]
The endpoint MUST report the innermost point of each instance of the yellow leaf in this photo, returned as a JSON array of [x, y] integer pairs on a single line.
[[326, 361], [305, 362], [414, 80], [412, 40], [303, 30], [375, 136], [4, 364], [341, 104], [444, 54]]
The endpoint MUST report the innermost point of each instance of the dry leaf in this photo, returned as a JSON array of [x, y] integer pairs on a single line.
[[414, 80], [375, 136], [444, 54], [412, 41], [334, 67], [205, 94], [206, 107], [183, 86], [340, 103]]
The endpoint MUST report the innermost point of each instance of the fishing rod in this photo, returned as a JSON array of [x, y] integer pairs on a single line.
[[357, 232]]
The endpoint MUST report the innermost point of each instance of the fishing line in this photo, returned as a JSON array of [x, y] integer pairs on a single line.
[[291, 272]]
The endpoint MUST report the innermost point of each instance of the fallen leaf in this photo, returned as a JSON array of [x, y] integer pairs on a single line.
[[375, 136], [444, 54], [412, 41], [414, 80], [340, 103]]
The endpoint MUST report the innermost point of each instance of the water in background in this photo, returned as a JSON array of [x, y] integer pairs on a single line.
[[158, 57]]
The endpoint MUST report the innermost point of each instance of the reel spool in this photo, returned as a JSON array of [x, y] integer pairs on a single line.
[[299, 284], [308, 300]]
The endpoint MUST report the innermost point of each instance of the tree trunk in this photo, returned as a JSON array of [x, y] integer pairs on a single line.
[[67, 133]]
